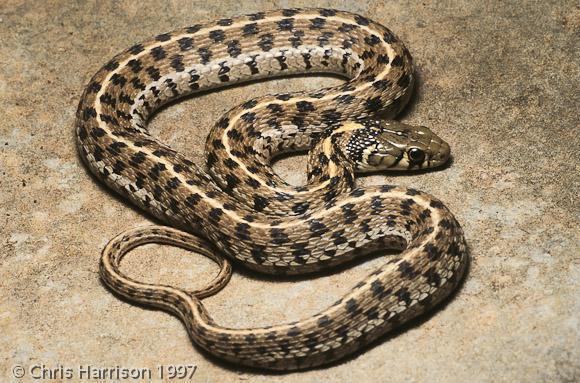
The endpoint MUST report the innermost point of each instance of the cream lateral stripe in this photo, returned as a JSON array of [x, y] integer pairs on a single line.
[[213, 27], [327, 149], [225, 138], [233, 331], [216, 204], [200, 68], [123, 64]]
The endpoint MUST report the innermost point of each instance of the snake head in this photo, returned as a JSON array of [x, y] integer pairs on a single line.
[[392, 145]]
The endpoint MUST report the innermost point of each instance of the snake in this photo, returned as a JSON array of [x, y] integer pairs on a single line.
[[236, 208]]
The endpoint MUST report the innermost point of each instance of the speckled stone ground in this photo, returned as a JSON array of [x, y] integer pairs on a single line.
[[498, 80]]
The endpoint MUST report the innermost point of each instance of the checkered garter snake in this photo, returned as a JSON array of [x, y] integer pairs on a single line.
[[237, 206]]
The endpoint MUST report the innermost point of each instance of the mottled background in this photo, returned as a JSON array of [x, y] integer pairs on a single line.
[[498, 80]]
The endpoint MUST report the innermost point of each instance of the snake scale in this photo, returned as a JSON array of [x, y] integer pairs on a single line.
[[237, 206]]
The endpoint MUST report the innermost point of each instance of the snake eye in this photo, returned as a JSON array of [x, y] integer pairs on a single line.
[[416, 155]]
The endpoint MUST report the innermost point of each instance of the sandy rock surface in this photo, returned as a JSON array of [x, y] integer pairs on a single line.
[[498, 80]]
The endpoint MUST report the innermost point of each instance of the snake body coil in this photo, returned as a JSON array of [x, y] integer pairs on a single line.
[[244, 210]]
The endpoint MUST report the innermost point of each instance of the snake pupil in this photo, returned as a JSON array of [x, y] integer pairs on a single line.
[[416, 155]]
